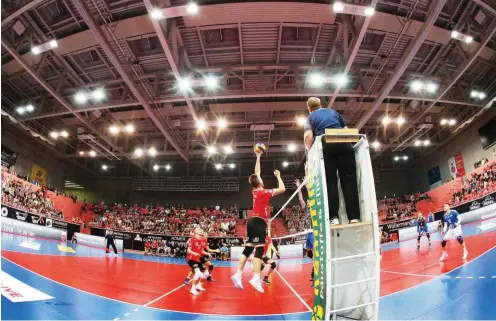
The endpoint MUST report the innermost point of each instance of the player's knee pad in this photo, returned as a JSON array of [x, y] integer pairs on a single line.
[[443, 243], [310, 254], [210, 268], [418, 238], [460, 239], [197, 276], [248, 250], [273, 265], [259, 252], [428, 235]]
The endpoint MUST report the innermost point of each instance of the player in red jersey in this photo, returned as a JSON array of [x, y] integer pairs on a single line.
[[205, 263], [256, 228], [195, 251], [269, 249]]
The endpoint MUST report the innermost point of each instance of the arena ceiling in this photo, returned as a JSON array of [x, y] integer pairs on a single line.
[[153, 64]]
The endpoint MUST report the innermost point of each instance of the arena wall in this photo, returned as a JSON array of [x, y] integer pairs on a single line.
[[468, 143]]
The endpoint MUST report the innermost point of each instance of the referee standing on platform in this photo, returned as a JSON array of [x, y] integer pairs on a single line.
[[337, 157]]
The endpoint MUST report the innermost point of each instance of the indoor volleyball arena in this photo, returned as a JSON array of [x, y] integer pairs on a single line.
[[248, 160]]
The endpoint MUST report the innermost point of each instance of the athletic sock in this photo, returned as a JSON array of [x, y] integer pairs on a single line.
[[257, 277], [238, 274]]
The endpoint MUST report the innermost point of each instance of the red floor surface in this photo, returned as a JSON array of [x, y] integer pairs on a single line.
[[140, 282]]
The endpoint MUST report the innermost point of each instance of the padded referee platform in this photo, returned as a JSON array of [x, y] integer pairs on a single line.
[[346, 259]]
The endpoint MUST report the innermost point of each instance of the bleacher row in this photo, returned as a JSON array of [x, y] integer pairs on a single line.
[[169, 219]]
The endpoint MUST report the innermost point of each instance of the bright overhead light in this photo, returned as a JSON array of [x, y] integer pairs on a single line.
[[341, 80], [338, 7], [386, 120], [211, 82], [53, 43], [444, 121], [222, 123], [285, 164], [81, 153], [192, 8], [300, 120], [417, 143], [376, 144], [152, 151], [64, 134], [211, 149], [104, 167], [155, 167], [129, 128], [292, 147], [231, 166], [369, 11], [454, 34], [431, 87], [20, 110], [482, 95], [81, 97], [98, 94], [29, 108], [316, 80], [138, 152], [167, 167], [218, 166], [473, 94], [54, 135], [417, 85], [396, 158], [452, 122], [468, 39], [405, 157], [35, 50], [427, 142], [184, 84], [201, 124], [228, 149], [400, 120], [92, 153], [156, 14], [114, 129]]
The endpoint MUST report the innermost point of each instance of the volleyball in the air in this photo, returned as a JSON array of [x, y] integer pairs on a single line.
[[260, 148]]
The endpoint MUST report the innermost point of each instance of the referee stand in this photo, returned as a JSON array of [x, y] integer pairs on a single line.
[[346, 256]]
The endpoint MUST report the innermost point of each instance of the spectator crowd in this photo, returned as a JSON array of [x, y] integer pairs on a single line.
[[393, 208], [477, 185]]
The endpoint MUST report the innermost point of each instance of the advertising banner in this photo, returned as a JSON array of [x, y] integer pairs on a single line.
[[318, 202], [470, 206], [39, 174], [434, 175], [14, 226], [395, 226], [136, 241], [95, 241], [38, 219]]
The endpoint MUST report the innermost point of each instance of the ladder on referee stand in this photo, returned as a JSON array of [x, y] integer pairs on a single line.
[[346, 256]]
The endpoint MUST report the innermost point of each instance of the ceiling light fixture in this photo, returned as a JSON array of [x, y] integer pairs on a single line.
[[222, 123]]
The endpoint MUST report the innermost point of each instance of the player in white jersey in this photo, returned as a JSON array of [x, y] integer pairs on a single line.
[[452, 229]]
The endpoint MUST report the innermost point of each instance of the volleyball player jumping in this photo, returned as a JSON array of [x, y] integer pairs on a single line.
[[257, 227]]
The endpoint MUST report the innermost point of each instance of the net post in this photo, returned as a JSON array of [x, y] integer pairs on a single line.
[[346, 258]]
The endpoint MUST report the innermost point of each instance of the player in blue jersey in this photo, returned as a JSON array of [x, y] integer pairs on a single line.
[[452, 228], [310, 238], [422, 229]]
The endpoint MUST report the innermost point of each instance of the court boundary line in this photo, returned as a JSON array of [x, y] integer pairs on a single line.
[[464, 264], [411, 274], [149, 307], [164, 295], [294, 291]]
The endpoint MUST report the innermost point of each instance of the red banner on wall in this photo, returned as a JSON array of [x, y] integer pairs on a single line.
[[459, 165]]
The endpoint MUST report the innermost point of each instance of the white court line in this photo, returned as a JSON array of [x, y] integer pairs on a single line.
[[493, 277], [126, 314], [163, 296], [411, 274], [469, 277], [458, 277], [482, 277], [116, 319], [293, 290]]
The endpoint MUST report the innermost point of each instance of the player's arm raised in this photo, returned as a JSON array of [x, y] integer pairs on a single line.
[[257, 164], [300, 195], [280, 188]]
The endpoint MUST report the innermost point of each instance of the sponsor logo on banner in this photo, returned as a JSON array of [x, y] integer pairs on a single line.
[[474, 205], [138, 238], [35, 219], [66, 249], [21, 216], [17, 291], [5, 211], [488, 200], [233, 241], [48, 222]]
